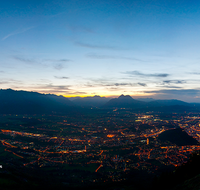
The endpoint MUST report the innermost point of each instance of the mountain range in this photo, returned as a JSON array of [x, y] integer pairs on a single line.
[[12, 101], [23, 102]]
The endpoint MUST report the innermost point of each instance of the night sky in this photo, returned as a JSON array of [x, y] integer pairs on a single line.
[[101, 47]]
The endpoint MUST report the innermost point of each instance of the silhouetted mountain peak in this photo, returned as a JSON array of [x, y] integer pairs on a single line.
[[125, 96], [124, 101]]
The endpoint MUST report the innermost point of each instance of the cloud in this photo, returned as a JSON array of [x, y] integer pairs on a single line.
[[137, 73], [66, 87], [17, 32], [113, 89], [56, 89], [120, 84], [96, 56], [170, 86], [108, 83], [188, 95], [29, 61], [10, 81], [128, 84], [183, 92], [194, 73], [58, 60], [142, 84], [58, 64], [45, 88], [4, 82], [2, 72], [80, 29], [92, 46], [61, 77], [77, 92], [174, 81], [167, 83]]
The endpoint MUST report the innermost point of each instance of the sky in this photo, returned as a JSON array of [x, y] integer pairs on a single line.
[[142, 48]]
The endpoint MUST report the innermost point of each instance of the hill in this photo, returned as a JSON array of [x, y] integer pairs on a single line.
[[192, 184], [124, 102], [148, 105], [172, 102], [23, 102], [178, 137], [95, 101]]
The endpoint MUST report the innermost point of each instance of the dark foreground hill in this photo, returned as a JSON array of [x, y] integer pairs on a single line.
[[190, 184], [184, 177], [178, 137], [23, 102]]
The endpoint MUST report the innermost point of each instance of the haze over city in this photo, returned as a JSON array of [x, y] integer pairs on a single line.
[[106, 48]]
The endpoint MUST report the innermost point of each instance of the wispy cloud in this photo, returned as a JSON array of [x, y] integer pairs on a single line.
[[137, 73], [191, 92], [97, 56], [77, 92], [94, 46], [83, 29], [128, 84], [56, 89], [4, 82], [194, 73], [10, 81], [61, 77], [174, 81], [22, 59], [19, 31], [142, 84], [169, 86], [58, 64], [58, 60], [109, 83], [113, 89], [188, 95], [51, 86]]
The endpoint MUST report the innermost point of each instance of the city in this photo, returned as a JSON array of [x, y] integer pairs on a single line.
[[110, 147]]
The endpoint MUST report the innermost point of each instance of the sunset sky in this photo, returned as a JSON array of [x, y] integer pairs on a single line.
[[148, 48]]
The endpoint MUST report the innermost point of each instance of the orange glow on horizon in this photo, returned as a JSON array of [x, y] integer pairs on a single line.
[[138, 95], [101, 93]]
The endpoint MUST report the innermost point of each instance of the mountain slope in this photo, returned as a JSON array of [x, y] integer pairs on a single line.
[[124, 102], [178, 137], [19, 102], [95, 101], [172, 102]]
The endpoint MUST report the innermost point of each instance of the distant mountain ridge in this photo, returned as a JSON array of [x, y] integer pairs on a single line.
[[171, 102], [94, 101], [128, 102], [20, 102], [13, 101], [124, 101]]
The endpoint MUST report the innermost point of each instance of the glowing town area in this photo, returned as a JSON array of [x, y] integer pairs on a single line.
[[98, 148]]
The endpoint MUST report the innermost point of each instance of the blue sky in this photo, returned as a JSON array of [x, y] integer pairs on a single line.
[[91, 47]]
